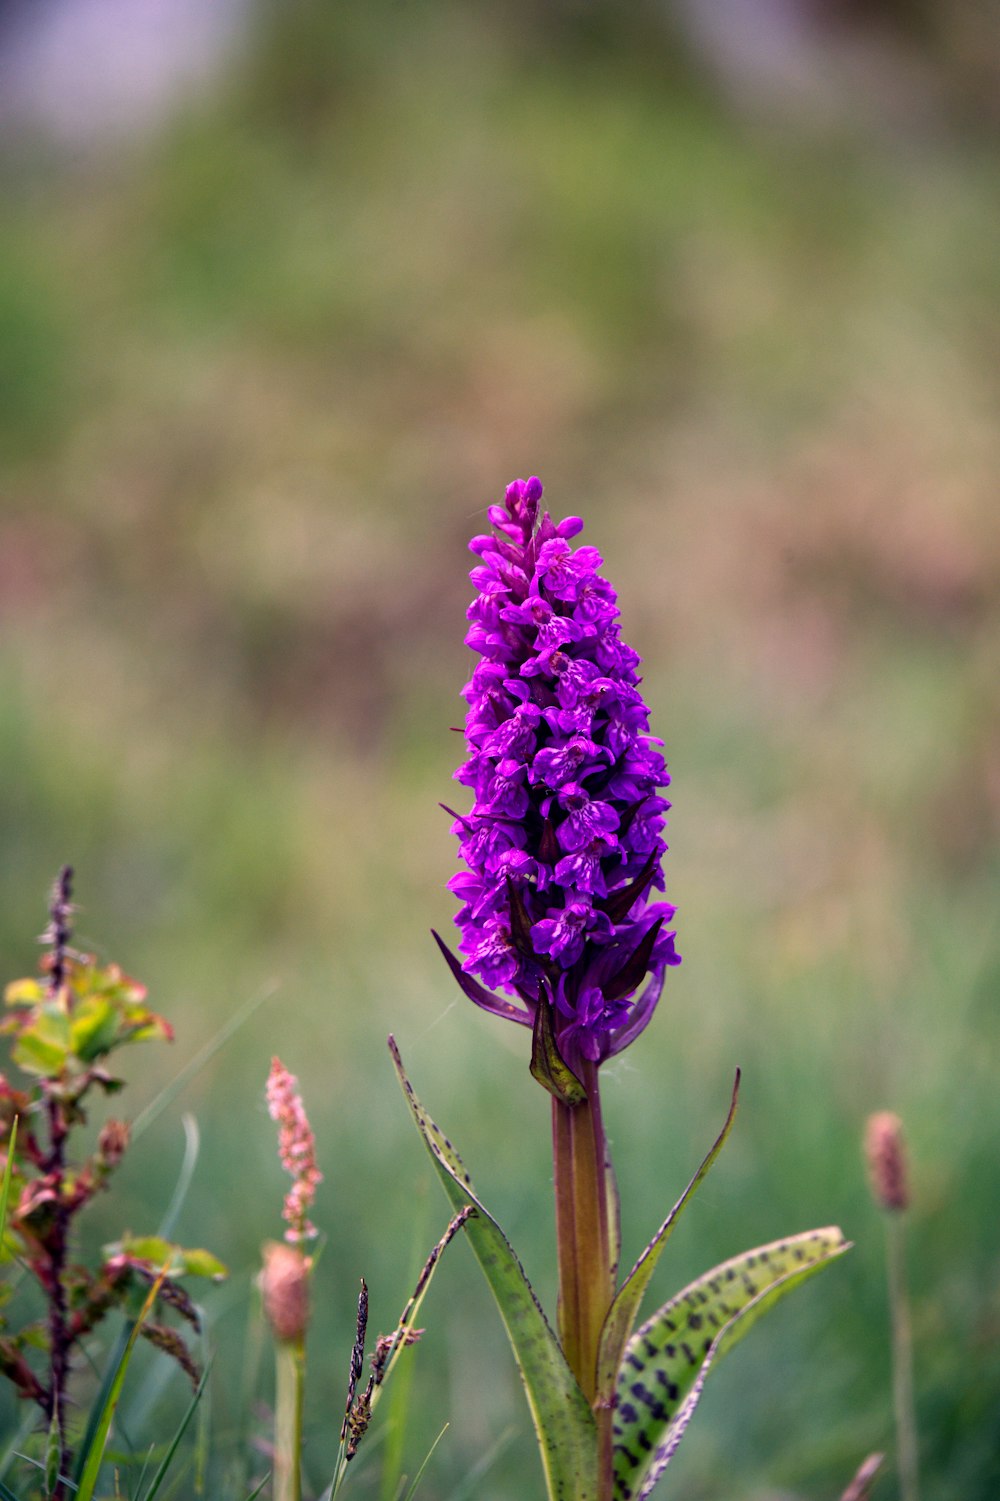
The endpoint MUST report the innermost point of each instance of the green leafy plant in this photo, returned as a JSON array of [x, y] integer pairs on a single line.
[[64, 1028]]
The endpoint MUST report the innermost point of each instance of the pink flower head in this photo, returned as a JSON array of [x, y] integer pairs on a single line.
[[296, 1150]]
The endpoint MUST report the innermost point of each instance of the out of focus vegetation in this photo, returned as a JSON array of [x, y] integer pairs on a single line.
[[261, 372]]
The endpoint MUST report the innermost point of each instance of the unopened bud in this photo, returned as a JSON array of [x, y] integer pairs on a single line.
[[887, 1161], [284, 1283], [113, 1142]]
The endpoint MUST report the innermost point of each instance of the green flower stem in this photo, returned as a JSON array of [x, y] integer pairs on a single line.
[[902, 1359], [290, 1370], [583, 1232]]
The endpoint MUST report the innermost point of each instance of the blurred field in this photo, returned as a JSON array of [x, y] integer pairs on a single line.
[[261, 372]]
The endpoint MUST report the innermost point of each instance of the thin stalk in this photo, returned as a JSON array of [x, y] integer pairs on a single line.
[[902, 1359], [290, 1356], [583, 1233], [57, 935], [59, 1337]]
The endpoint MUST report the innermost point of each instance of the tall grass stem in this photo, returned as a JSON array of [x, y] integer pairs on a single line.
[[290, 1367], [902, 1359]]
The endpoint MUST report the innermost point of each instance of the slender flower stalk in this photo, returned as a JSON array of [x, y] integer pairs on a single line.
[[57, 935], [285, 1290], [891, 1191], [562, 851], [583, 1229], [285, 1278]]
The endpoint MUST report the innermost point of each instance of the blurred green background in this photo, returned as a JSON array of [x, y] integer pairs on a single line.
[[265, 356]]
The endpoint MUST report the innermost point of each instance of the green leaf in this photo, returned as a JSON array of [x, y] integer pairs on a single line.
[[622, 1313], [93, 1028], [165, 1463], [563, 1421], [24, 993], [669, 1356], [43, 1047], [201, 1263], [177, 1260], [427, 1459], [91, 1456], [7, 1174]]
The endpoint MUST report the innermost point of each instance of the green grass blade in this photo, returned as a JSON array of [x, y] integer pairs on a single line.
[[563, 1421], [258, 1488], [669, 1357], [192, 1145], [6, 1494], [100, 1402], [7, 1173], [28, 1424], [169, 1093], [92, 1455], [398, 1400], [167, 1460], [469, 1485], [622, 1313], [427, 1459]]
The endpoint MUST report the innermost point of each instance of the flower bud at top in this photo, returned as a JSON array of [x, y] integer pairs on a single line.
[[887, 1161], [284, 1285], [564, 840]]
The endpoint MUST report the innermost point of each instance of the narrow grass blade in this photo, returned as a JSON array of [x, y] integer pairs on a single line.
[[563, 1421], [398, 1400], [7, 1173], [169, 1093], [468, 1486], [192, 1144], [167, 1460], [668, 1358], [427, 1459], [6, 1494], [622, 1314], [100, 1402], [408, 1317], [93, 1454], [258, 1488], [16, 1443]]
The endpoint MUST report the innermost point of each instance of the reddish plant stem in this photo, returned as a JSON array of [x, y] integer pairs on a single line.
[[583, 1237], [58, 935], [60, 1338]]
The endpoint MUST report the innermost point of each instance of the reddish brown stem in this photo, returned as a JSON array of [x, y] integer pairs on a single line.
[[586, 1274], [58, 935], [60, 1338]]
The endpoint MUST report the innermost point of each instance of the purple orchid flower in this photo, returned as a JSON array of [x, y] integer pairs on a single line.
[[563, 843]]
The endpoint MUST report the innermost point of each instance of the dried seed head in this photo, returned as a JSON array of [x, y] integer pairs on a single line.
[[284, 1283], [887, 1161]]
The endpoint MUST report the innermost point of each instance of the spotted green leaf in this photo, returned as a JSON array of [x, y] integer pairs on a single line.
[[562, 1418], [669, 1356]]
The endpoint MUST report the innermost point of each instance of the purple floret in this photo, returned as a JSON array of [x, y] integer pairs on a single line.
[[565, 836]]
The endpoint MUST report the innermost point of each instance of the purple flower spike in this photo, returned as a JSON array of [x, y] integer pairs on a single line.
[[565, 835]]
